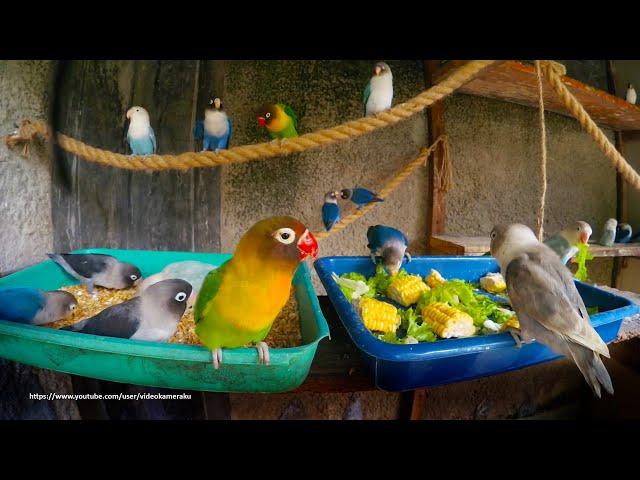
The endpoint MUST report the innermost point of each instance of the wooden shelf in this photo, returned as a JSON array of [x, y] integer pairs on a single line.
[[516, 82], [462, 245]]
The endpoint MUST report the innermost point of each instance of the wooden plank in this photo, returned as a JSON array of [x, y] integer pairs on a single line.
[[463, 245], [515, 82], [436, 212]]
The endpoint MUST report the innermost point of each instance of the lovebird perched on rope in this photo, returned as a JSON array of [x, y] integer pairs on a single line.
[[547, 303], [565, 243], [140, 136], [330, 210], [378, 93], [360, 196], [34, 306], [279, 119], [215, 129], [391, 244], [239, 301]]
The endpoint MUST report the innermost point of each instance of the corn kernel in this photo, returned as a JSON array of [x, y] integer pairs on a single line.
[[379, 316], [447, 321], [406, 290]]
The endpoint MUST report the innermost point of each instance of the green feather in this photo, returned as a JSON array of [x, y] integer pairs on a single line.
[[210, 287], [289, 111]]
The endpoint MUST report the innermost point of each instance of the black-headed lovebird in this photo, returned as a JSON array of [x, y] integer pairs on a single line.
[[215, 129], [279, 119], [330, 210], [360, 196]]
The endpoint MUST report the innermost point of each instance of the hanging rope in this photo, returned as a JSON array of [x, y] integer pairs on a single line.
[[445, 183], [355, 128], [543, 154], [552, 73]]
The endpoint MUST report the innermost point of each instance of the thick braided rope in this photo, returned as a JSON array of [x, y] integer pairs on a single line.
[[543, 154], [578, 111], [386, 191], [246, 153]]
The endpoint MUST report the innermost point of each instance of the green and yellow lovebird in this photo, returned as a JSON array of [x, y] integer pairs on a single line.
[[279, 119], [239, 301]]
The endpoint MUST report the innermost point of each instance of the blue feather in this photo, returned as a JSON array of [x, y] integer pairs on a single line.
[[21, 304], [330, 215], [380, 235], [213, 142], [623, 233], [145, 145], [362, 196]]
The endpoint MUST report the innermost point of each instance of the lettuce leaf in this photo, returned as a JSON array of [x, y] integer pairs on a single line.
[[581, 259]]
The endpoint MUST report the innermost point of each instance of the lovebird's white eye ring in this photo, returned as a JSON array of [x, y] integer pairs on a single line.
[[181, 297], [72, 307], [285, 235], [268, 115], [133, 277], [493, 234]]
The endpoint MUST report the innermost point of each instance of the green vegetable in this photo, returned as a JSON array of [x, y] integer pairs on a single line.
[[592, 310], [348, 292], [381, 279], [390, 337], [581, 259], [420, 331], [408, 317]]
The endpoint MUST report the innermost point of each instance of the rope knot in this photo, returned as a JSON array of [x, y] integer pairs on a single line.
[[23, 135], [555, 67]]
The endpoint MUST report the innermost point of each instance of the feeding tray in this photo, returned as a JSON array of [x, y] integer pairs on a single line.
[[407, 367], [168, 365]]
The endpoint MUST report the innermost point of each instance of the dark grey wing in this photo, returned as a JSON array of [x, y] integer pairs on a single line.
[[87, 264], [542, 288], [121, 321]]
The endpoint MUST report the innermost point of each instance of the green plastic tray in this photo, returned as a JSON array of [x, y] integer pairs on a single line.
[[160, 364]]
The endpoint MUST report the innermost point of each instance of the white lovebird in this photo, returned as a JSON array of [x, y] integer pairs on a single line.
[[378, 93], [631, 94]]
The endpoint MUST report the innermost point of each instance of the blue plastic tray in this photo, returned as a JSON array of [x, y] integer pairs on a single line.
[[406, 367]]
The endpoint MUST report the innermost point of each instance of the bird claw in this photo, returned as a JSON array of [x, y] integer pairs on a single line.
[[216, 356], [263, 353], [517, 337]]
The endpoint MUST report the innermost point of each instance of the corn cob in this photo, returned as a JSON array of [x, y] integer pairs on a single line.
[[406, 290], [434, 279], [447, 321], [493, 283], [379, 316], [511, 323]]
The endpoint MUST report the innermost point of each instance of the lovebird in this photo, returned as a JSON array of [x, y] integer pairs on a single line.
[[140, 136], [189, 271], [631, 95], [153, 316], [547, 303], [391, 244], [215, 129], [239, 300], [623, 233], [360, 196], [330, 210], [279, 119], [609, 232], [34, 306], [378, 93], [92, 269], [565, 243]]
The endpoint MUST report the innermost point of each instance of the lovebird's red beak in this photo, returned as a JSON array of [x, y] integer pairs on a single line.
[[262, 121], [584, 237], [307, 245]]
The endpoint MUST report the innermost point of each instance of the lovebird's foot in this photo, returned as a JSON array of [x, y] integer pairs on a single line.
[[373, 258], [216, 356], [263, 353], [517, 337]]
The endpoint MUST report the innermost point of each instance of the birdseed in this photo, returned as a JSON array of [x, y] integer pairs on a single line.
[[284, 333]]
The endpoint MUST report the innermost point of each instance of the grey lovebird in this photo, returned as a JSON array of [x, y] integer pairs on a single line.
[[34, 306], [609, 233], [565, 242], [98, 269], [547, 303], [153, 316]]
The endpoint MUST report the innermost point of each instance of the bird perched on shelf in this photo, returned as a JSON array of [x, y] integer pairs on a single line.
[[547, 303], [189, 271], [360, 196], [391, 244], [609, 232], [279, 119], [215, 129], [239, 301], [565, 242], [153, 316], [140, 136], [330, 210], [378, 93], [631, 94], [34, 306], [623, 233], [98, 269]]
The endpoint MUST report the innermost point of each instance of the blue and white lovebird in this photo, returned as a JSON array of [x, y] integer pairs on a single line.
[[140, 136], [35, 307], [360, 196], [215, 129], [565, 243], [623, 233], [330, 210], [378, 93], [391, 244], [609, 232]]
